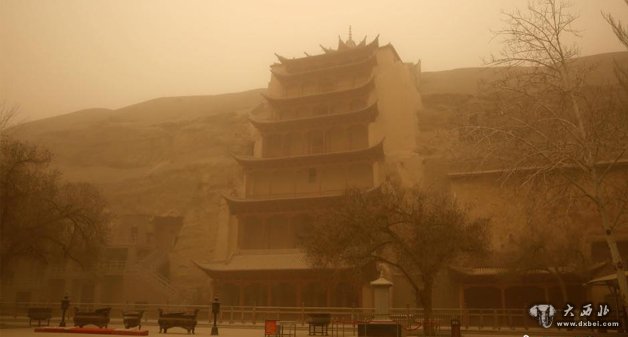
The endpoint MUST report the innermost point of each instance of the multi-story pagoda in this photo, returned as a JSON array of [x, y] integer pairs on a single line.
[[330, 121]]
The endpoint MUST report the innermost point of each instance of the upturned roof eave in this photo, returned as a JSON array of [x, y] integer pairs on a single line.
[[327, 55], [369, 113], [374, 152], [282, 75], [319, 96]]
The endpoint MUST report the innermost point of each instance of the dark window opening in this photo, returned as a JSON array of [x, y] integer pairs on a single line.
[[311, 175]]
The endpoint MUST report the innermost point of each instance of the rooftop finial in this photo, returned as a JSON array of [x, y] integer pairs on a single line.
[[349, 32]]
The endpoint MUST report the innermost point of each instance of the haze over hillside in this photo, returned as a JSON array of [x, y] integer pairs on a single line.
[[173, 155]]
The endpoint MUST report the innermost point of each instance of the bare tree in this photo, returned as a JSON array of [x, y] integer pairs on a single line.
[[553, 240], [547, 124], [8, 114], [418, 233], [41, 217], [621, 31], [618, 28]]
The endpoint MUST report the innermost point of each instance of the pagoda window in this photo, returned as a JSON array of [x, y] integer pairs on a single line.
[[316, 141], [344, 295], [302, 224], [291, 90], [293, 144], [284, 294], [314, 295], [273, 146], [357, 104], [334, 108], [285, 114], [229, 294], [260, 183], [332, 178], [320, 109], [133, 234], [291, 113], [281, 233], [303, 184], [255, 294], [360, 175], [346, 82], [358, 137], [327, 84], [312, 175], [336, 140], [308, 88], [360, 78], [297, 113], [252, 233], [282, 182]]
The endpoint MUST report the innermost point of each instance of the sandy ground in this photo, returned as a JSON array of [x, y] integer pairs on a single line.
[[258, 331]]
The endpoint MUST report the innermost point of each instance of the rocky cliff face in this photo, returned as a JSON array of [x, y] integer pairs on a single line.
[[167, 157]]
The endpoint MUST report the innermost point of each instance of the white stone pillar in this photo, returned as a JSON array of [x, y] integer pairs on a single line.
[[381, 298]]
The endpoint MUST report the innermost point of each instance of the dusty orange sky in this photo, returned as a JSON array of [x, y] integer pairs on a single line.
[[60, 56]]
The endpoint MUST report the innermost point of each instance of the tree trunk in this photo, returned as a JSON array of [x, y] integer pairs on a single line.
[[618, 263], [418, 298], [428, 287]]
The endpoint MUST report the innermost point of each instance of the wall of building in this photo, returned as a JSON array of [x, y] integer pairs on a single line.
[[398, 101], [337, 138]]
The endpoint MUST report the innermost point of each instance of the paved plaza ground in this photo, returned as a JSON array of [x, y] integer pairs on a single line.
[[20, 328], [259, 332]]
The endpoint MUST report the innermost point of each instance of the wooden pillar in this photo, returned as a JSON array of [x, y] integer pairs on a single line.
[[299, 293], [269, 293], [241, 286], [358, 291], [461, 290], [213, 288], [502, 293], [503, 318], [328, 296]]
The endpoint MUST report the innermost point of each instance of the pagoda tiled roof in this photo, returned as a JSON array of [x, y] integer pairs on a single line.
[[329, 58], [299, 202], [283, 203], [367, 114], [282, 74], [373, 153], [350, 92]]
